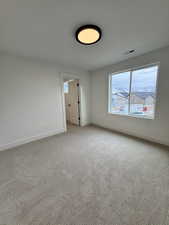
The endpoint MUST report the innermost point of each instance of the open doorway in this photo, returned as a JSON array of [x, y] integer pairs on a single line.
[[72, 102]]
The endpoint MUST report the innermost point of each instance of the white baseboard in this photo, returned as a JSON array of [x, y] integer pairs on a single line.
[[85, 124], [134, 135], [30, 139]]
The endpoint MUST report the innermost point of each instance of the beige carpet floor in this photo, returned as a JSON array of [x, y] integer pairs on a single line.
[[86, 176]]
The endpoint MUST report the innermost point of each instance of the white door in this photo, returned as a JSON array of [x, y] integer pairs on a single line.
[[72, 103]]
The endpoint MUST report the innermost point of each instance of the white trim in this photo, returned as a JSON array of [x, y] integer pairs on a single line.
[[30, 139], [156, 91], [74, 77], [150, 139], [132, 115], [109, 93], [63, 101], [135, 68], [129, 97]]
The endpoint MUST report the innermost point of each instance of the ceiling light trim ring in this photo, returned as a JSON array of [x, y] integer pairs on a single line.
[[85, 27]]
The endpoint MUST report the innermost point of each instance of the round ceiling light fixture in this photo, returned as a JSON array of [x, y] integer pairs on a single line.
[[88, 34]]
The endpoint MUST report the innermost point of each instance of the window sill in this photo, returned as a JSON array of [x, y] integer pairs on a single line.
[[131, 115]]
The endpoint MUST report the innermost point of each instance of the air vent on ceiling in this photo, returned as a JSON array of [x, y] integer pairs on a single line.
[[130, 52]]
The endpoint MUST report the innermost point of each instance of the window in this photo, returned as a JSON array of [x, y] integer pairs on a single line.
[[66, 87], [133, 92]]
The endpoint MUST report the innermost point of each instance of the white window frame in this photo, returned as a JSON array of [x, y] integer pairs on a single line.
[[131, 71]]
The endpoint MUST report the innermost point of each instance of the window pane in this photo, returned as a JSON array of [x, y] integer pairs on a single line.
[[66, 87], [143, 88], [120, 93]]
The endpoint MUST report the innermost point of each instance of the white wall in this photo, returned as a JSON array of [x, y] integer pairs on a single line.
[[155, 130], [31, 100]]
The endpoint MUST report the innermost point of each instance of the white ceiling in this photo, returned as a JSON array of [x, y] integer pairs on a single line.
[[45, 29]]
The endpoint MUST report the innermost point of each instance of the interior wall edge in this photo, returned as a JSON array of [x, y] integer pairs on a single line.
[[132, 135], [27, 140]]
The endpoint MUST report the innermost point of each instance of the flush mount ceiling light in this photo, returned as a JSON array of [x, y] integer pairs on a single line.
[[88, 34]]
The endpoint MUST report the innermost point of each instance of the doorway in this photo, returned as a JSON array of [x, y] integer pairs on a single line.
[[72, 102]]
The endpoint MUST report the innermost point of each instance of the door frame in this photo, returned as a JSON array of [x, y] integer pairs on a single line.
[[71, 77]]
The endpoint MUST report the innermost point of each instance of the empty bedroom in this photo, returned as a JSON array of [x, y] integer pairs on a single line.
[[84, 112]]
